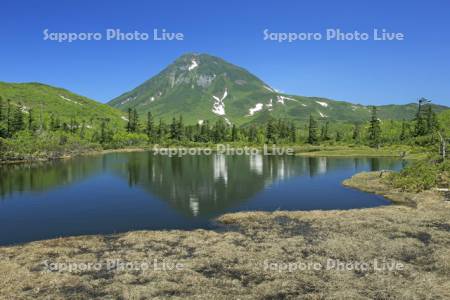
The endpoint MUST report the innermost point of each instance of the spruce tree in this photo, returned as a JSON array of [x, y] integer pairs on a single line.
[[312, 131], [204, 132], [234, 133], [18, 119], [181, 129], [130, 120], [9, 119], [31, 125], [421, 124], [103, 131], [219, 131], [136, 124], [324, 135], [252, 135], [404, 133], [431, 120], [161, 132], [150, 127], [174, 129], [374, 129], [270, 132], [293, 133], [356, 133]]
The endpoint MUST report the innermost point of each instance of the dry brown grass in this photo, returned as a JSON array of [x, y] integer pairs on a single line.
[[229, 263]]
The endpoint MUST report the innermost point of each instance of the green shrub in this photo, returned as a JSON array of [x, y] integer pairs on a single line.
[[123, 139], [28, 146], [419, 176]]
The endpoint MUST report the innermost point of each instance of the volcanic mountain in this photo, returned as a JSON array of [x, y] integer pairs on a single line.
[[203, 87]]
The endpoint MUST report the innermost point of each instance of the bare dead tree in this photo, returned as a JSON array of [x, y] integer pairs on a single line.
[[443, 146]]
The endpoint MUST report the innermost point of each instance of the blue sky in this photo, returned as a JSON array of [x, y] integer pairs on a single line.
[[367, 72]]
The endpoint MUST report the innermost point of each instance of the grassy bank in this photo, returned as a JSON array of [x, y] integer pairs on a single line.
[[403, 151], [43, 152], [232, 262]]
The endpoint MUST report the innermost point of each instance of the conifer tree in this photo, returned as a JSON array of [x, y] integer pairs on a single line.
[[421, 124], [161, 132], [9, 119], [234, 133], [324, 135], [293, 133], [181, 129], [136, 125], [204, 132], [174, 129], [404, 133], [130, 120], [31, 125], [374, 129], [431, 120], [17, 119], [150, 130], [356, 133], [253, 134], [270, 132], [312, 131], [104, 134]]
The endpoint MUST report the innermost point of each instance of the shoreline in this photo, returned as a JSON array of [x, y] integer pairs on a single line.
[[306, 151], [233, 262]]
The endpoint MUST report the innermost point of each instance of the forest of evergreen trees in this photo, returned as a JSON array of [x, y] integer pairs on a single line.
[[19, 126], [279, 131]]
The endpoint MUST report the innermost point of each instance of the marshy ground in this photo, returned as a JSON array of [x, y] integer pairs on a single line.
[[246, 258]]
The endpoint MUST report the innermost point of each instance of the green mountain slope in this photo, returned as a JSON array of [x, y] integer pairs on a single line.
[[47, 100], [201, 87]]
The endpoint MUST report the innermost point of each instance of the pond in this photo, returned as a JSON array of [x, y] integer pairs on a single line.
[[120, 192]]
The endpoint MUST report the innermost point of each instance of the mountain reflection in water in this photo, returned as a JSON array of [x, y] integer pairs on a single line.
[[140, 190]]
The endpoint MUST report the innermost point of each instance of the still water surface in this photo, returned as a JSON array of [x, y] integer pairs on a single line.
[[120, 192]]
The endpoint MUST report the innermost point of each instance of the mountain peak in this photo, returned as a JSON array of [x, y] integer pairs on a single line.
[[204, 87]]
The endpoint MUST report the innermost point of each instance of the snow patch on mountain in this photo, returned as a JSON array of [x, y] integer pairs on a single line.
[[324, 104], [323, 115], [257, 108], [124, 101], [270, 104], [219, 106], [227, 121], [70, 100], [193, 65], [268, 88], [281, 99]]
